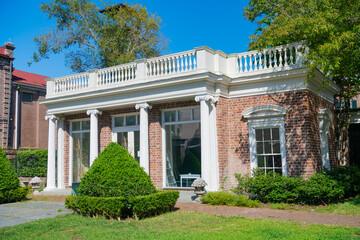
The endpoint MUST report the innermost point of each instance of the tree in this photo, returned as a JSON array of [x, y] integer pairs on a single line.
[[91, 39], [331, 31]]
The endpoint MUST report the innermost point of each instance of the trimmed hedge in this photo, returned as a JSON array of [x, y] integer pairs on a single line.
[[14, 195], [114, 207], [154, 204], [31, 163], [229, 199], [8, 178], [275, 188], [111, 207], [115, 173], [348, 178]]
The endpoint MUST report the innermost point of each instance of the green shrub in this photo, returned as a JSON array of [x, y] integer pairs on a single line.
[[154, 204], [111, 207], [348, 178], [115, 173], [8, 178], [229, 199], [14, 195], [31, 163], [320, 189]]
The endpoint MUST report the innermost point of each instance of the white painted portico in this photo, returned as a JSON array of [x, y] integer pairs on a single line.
[[201, 75]]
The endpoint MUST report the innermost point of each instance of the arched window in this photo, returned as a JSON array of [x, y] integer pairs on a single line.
[[267, 138]]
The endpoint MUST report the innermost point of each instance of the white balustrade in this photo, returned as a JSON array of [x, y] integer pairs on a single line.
[[116, 74], [72, 82], [171, 64], [279, 58]]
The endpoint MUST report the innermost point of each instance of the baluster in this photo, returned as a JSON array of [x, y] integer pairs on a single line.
[[186, 62], [195, 61], [245, 63]]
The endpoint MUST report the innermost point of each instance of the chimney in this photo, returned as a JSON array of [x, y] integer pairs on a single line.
[[9, 49]]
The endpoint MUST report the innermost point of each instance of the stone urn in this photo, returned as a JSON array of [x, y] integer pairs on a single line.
[[35, 184], [199, 184]]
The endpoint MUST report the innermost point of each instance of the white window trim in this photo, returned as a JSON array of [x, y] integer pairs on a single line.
[[163, 134], [266, 116], [71, 146]]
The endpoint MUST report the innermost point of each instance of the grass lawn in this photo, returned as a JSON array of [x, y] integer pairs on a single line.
[[175, 225], [349, 207]]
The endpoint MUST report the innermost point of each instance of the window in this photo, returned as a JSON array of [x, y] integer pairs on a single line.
[[182, 146], [267, 138], [26, 97], [80, 137]]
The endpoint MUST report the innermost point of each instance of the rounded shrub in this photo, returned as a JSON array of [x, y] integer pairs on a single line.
[[115, 173], [8, 177], [348, 177]]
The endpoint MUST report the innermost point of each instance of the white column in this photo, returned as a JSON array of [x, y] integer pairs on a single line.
[[325, 116], [60, 154], [208, 141], [94, 146], [144, 135], [50, 182]]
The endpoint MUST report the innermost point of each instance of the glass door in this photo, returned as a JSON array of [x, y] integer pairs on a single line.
[[131, 142]]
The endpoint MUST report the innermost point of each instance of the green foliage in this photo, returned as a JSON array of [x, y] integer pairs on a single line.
[[31, 163], [348, 178], [275, 188], [229, 199], [111, 207], [115, 173], [97, 40], [14, 195], [154, 204], [320, 189], [8, 178]]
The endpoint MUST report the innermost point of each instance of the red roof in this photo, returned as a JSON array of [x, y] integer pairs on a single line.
[[28, 78], [2, 51]]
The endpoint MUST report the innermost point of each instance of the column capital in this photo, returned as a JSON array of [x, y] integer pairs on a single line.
[[142, 105], [93, 112], [210, 98], [51, 117]]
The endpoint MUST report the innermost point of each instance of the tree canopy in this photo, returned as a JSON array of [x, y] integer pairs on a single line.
[[330, 28], [92, 39]]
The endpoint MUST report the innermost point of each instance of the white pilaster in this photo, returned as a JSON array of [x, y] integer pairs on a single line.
[[144, 135], [209, 165], [50, 182], [94, 146], [60, 154]]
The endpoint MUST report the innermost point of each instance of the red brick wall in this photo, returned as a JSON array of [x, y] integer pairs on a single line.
[[301, 133]]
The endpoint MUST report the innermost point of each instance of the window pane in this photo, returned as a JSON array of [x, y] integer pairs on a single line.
[[86, 125], [259, 148], [269, 161], [261, 163], [258, 134], [138, 119], [183, 154], [81, 155], [26, 97], [75, 126], [184, 115], [275, 134], [276, 147], [119, 122], [131, 120], [277, 161], [267, 134], [122, 139], [196, 113], [267, 147], [170, 116], [278, 170]]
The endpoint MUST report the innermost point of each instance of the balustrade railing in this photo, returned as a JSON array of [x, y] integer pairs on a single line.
[[116, 74], [72, 82], [171, 64], [204, 59], [271, 58]]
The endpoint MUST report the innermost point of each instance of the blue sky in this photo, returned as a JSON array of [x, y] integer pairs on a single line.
[[186, 24]]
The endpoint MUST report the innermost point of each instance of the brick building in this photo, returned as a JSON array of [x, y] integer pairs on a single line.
[[22, 118], [196, 113]]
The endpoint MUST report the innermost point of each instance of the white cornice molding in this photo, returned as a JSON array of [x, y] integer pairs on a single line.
[[142, 105], [93, 112], [263, 111]]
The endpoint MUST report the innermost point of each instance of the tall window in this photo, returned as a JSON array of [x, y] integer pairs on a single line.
[[80, 133], [267, 138], [183, 146]]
